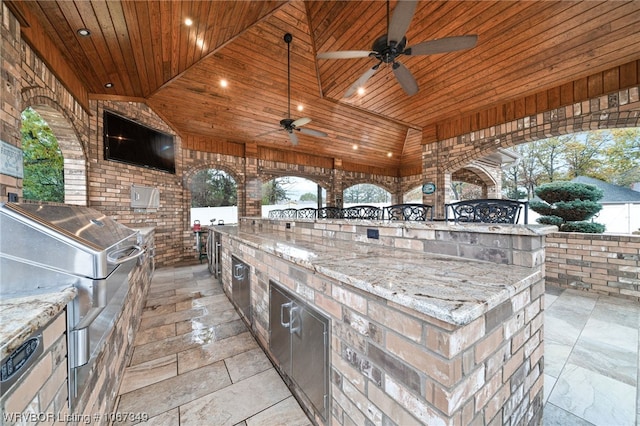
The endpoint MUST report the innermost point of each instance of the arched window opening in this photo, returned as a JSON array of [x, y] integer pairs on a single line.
[[608, 159], [366, 193], [466, 190], [413, 195], [291, 192], [43, 162], [214, 197]]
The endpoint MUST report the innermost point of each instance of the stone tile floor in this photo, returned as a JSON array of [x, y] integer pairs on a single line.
[[195, 362], [591, 359]]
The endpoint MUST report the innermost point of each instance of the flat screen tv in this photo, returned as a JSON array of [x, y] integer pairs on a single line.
[[129, 142]]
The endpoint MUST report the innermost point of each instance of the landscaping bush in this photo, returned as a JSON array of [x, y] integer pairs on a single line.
[[568, 205], [588, 227]]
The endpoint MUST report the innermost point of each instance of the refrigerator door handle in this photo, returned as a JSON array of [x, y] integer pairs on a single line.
[[282, 307]]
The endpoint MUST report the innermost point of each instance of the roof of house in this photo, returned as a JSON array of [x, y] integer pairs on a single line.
[[612, 193]]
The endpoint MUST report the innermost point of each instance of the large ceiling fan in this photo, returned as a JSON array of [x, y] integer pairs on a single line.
[[289, 124], [388, 47]]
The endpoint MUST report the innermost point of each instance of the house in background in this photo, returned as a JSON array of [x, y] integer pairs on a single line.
[[620, 207]]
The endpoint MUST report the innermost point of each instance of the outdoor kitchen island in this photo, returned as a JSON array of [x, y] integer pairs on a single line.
[[426, 323]]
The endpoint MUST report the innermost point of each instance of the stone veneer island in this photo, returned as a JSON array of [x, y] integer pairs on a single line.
[[430, 323]]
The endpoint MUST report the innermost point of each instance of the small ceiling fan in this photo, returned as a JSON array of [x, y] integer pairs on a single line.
[[289, 124], [388, 47]]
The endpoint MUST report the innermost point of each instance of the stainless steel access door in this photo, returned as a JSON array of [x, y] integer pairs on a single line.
[[309, 360], [241, 286], [279, 320], [299, 341]]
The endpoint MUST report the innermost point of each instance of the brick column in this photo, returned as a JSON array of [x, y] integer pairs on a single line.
[[10, 101], [334, 194], [251, 203]]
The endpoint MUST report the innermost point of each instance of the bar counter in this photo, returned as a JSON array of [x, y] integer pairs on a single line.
[[426, 323]]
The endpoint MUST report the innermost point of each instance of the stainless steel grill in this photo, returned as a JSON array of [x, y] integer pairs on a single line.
[[47, 247]]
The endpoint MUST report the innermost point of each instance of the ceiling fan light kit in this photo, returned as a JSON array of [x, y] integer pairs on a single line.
[[388, 47]]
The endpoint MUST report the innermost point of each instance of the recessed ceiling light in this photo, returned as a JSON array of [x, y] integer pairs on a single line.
[[300, 107], [355, 146], [188, 22], [108, 85], [83, 32], [389, 154], [360, 91], [224, 83]]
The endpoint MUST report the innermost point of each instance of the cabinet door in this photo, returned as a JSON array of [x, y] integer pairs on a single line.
[[240, 286], [310, 359], [279, 319]]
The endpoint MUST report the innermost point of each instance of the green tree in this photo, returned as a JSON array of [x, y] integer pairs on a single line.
[[583, 154], [213, 188], [622, 159], [274, 192], [43, 161], [366, 193], [548, 153], [309, 196]]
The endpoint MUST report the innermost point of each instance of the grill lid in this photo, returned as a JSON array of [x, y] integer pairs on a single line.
[[74, 240], [86, 226]]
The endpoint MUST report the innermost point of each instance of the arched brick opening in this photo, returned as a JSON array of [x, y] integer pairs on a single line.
[[192, 171], [480, 176], [613, 111], [73, 151]]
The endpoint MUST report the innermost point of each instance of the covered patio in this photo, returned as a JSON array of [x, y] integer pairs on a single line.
[[220, 80]]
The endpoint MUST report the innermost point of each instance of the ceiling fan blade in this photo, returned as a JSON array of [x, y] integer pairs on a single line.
[[402, 15], [405, 78], [268, 133], [443, 45], [361, 81], [312, 132], [345, 54], [301, 122], [293, 138]]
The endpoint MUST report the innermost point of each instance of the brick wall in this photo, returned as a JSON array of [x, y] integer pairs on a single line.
[[110, 186], [604, 264], [11, 82], [496, 243]]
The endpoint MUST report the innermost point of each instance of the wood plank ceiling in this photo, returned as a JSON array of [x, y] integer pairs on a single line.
[[145, 49]]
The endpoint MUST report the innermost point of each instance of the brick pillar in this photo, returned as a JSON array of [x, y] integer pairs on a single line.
[[433, 171], [10, 98], [334, 194], [251, 204]]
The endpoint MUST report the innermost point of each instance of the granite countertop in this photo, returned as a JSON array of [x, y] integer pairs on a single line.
[[21, 316], [453, 289]]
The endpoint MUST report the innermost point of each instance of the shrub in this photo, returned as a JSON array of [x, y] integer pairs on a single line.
[[588, 227], [568, 205], [568, 191]]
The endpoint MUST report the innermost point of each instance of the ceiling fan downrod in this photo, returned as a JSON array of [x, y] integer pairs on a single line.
[[287, 122]]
